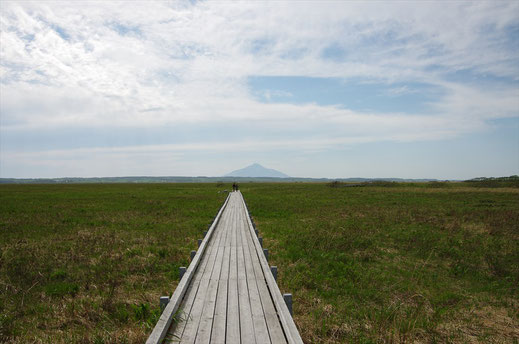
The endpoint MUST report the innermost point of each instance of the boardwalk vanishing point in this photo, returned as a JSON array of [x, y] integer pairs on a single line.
[[228, 293]]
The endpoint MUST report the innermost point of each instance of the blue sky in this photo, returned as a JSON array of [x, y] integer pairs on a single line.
[[355, 93], [317, 89]]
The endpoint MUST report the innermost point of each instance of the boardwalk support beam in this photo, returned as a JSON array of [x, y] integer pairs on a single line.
[[181, 272], [193, 253], [164, 300], [288, 301], [266, 253], [261, 241], [274, 270]]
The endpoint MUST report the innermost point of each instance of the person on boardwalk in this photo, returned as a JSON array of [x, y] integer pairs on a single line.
[[234, 186]]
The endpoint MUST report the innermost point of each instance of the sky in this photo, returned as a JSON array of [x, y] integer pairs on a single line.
[[311, 88]]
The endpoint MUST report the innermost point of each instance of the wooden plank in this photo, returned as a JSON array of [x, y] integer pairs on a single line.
[[190, 331], [187, 304], [208, 314], [177, 330], [246, 327], [246, 243], [224, 273], [240, 260], [220, 313], [163, 324], [184, 311], [203, 333], [233, 312], [261, 334], [220, 317], [219, 256], [289, 327], [192, 293], [274, 326]]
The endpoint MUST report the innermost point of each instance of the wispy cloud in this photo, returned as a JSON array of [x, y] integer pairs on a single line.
[[150, 64], [398, 91]]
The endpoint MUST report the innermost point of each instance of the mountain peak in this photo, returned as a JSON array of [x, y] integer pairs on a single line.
[[256, 170]]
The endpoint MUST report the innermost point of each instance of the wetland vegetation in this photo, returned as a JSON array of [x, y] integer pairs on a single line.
[[392, 262]]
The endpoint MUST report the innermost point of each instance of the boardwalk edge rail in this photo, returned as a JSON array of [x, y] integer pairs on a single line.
[[161, 328], [291, 332]]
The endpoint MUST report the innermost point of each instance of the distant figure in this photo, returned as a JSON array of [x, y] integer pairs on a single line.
[[237, 186], [234, 187]]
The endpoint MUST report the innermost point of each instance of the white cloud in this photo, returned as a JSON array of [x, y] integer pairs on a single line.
[[121, 64]]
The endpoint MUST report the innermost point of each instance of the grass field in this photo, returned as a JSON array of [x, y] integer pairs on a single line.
[[399, 263], [385, 263], [87, 263]]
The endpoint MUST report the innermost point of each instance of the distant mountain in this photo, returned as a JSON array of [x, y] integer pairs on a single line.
[[256, 170]]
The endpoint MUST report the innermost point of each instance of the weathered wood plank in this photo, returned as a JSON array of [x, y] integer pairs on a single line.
[[177, 330], [208, 314], [191, 329], [233, 312], [271, 318], [220, 314], [246, 327], [289, 327], [220, 318], [261, 334], [203, 334]]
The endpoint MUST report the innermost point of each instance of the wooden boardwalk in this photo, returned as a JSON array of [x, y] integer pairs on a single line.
[[228, 293]]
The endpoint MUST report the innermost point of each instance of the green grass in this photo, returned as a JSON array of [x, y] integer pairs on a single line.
[[396, 263], [388, 262], [87, 263]]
